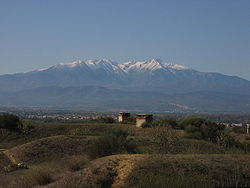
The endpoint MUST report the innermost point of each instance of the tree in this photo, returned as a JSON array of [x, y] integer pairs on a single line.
[[168, 122], [200, 128], [10, 122], [192, 120]]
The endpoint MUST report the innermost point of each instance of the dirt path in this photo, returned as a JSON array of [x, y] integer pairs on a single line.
[[10, 156]]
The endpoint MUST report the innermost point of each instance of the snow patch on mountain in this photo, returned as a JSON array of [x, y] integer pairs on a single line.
[[68, 65], [104, 64], [175, 66], [42, 69]]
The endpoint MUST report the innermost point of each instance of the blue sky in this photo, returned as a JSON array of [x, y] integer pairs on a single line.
[[207, 35]]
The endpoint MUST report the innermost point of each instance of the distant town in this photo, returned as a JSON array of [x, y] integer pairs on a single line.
[[230, 121]]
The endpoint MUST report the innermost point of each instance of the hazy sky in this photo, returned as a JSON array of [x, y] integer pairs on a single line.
[[207, 35]]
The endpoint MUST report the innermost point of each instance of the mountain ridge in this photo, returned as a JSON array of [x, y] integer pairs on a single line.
[[153, 85], [152, 74]]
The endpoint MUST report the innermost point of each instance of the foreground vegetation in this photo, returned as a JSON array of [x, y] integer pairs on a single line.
[[190, 152]]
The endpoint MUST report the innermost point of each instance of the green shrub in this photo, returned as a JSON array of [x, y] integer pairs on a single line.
[[227, 141], [113, 142], [168, 122], [165, 139], [27, 127], [199, 128], [106, 120], [191, 120]]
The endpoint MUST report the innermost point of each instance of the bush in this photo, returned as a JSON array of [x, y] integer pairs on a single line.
[[191, 120], [10, 122], [227, 141], [165, 139], [76, 163], [115, 141], [147, 125], [129, 120], [239, 130], [106, 120], [27, 127], [199, 128], [168, 122]]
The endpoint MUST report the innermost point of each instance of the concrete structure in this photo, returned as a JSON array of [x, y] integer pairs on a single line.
[[123, 116], [248, 128], [143, 118]]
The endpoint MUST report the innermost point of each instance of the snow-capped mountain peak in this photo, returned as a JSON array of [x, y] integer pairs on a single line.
[[102, 64], [150, 65], [105, 64], [153, 76], [123, 68]]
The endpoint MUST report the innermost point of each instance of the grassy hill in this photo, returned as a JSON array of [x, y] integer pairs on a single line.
[[146, 170], [61, 155], [50, 148]]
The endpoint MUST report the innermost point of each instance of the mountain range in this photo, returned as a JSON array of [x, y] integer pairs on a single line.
[[152, 85]]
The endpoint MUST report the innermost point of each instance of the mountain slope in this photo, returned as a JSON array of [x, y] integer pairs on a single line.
[[152, 85], [100, 98], [151, 75]]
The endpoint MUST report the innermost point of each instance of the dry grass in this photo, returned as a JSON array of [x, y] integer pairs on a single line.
[[4, 161], [42, 177], [34, 177], [43, 130], [129, 170], [60, 161], [159, 181], [50, 148], [77, 163], [169, 141], [45, 172]]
